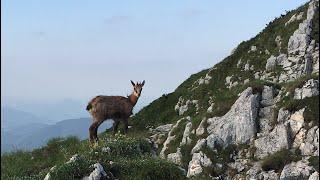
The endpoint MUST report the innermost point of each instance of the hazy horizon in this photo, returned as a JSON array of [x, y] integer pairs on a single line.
[[71, 51]]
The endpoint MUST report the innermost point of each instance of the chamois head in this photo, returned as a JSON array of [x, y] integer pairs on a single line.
[[137, 88]]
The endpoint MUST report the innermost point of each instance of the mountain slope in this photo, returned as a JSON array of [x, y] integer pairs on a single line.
[[254, 115]]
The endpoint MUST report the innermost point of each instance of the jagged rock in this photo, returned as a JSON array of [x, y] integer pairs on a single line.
[[267, 96], [311, 145], [271, 63], [246, 81], [269, 175], [239, 63], [200, 143], [283, 60], [47, 177], [205, 80], [239, 165], [254, 171], [175, 157], [309, 89], [257, 75], [253, 49], [163, 128], [198, 161], [247, 67], [170, 138], [283, 115], [278, 41], [74, 158], [97, 173], [265, 119], [201, 129], [276, 140], [314, 176], [238, 125], [294, 17], [187, 131], [296, 121], [299, 138], [210, 108], [296, 170], [266, 52]]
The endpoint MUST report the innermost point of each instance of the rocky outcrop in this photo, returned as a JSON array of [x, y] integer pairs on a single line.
[[239, 124], [97, 173], [186, 140], [310, 145], [201, 128], [200, 143], [276, 140], [296, 170], [314, 176], [309, 89], [301, 49], [295, 17], [175, 157], [199, 160], [170, 138]]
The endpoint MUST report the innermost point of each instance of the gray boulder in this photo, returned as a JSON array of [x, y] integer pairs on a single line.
[[296, 170], [239, 124], [309, 89], [276, 140]]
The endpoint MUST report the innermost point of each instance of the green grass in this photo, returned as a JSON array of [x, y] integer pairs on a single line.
[[278, 160], [314, 162], [131, 156]]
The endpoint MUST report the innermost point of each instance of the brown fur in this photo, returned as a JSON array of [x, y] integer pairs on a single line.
[[118, 108]]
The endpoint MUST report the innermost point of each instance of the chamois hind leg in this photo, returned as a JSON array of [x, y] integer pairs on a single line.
[[115, 126], [125, 126]]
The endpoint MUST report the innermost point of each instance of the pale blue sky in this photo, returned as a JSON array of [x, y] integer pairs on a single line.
[[76, 49]]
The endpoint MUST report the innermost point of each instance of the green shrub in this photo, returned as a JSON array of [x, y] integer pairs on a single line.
[[314, 161], [278, 160]]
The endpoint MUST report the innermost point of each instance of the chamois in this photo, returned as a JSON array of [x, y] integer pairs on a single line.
[[118, 108]]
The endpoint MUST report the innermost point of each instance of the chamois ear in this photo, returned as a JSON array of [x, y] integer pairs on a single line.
[[132, 83], [143, 82]]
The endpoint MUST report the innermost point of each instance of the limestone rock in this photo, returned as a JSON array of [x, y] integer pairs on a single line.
[[170, 138], [175, 157], [283, 115], [201, 129], [198, 161], [187, 131], [314, 176], [200, 143], [296, 121], [163, 128], [271, 63], [309, 89], [97, 173], [276, 140], [296, 170], [311, 145], [239, 124]]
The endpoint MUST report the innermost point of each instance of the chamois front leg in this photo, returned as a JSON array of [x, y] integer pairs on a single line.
[[92, 131]]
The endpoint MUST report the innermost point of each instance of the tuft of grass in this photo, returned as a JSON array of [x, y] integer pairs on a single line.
[[314, 162], [278, 160]]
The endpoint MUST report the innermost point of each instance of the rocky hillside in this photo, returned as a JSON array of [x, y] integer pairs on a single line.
[[254, 115]]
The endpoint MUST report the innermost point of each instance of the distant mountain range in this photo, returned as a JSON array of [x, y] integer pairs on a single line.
[[21, 130]]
